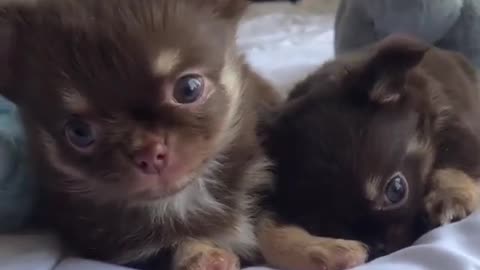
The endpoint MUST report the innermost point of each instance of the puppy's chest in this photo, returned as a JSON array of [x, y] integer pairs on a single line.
[[237, 236], [220, 216], [123, 235], [232, 229]]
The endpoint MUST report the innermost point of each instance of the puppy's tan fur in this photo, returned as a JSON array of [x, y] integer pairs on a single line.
[[290, 247], [453, 196], [196, 255], [115, 70], [399, 152]]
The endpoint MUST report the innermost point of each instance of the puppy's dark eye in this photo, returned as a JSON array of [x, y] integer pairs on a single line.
[[188, 89], [80, 134], [396, 190]]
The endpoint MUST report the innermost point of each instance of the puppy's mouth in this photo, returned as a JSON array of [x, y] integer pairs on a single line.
[[160, 192], [153, 187]]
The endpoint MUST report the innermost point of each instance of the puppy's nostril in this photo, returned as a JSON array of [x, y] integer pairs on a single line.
[[150, 166], [143, 165], [151, 159]]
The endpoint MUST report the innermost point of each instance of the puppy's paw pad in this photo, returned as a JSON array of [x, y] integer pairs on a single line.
[[340, 255], [448, 208], [454, 195], [215, 259]]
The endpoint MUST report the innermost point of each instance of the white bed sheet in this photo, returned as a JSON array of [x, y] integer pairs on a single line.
[[283, 48], [452, 247]]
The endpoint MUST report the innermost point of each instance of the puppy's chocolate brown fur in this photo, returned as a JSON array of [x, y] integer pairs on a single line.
[[108, 76], [376, 140]]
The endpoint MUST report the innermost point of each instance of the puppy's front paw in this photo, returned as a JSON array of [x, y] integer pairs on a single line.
[[336, 254], [292, 248], [453, 197], [208, 258]]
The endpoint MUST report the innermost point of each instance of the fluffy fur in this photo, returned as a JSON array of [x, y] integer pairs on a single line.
[[449, 24], [397, 110], [115, 66]]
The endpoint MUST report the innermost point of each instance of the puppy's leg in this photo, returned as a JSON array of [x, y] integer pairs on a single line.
[[453, 196], [199, 255], [292, 248]]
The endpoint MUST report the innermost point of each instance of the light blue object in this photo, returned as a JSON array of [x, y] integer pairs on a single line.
[[429, 19], [448, 24], [17, 188]]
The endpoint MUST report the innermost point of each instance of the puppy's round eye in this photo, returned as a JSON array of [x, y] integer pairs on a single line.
[[188, 89], [396, 190], [79, 134]]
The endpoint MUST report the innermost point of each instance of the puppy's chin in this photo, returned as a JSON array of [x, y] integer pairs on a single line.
[[152, 188]]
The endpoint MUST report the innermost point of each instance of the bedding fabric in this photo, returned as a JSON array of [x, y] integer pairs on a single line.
[[452, 247], [283, 48]]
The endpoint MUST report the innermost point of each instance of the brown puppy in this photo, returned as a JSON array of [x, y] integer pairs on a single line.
[[141, 118], [375, 141]]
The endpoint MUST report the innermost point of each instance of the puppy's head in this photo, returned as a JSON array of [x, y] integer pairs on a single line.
[[125, 99], [351, 150]]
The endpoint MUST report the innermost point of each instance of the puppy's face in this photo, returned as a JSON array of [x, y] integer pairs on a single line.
[[350, 145], [126, 103]]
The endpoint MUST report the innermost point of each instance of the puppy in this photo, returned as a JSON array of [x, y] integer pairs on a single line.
[[379, 145], [141, 118]]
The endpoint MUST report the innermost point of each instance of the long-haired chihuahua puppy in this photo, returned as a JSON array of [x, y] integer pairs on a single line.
[[142, 124], [379, 145], [141, 119]]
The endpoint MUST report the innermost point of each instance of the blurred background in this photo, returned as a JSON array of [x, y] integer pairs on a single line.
[[303, 6], [275, 31]]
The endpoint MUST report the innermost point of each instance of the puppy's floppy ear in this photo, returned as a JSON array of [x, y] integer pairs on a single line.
[[392, 60], [398, 53], [227, 9]]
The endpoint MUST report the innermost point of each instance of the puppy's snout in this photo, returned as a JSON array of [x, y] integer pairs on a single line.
[[151, 159]]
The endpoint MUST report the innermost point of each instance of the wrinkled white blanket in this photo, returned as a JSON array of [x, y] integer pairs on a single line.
[[283, 48], [452, 247]]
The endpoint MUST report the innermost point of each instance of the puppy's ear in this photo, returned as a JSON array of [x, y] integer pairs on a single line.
[[391, 62], [227, 9]]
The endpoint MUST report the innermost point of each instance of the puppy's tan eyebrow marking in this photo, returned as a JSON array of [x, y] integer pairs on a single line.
[[74, 101], [372, 188], [230, 78], [423, 147], [166, 61], [418, 145]]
